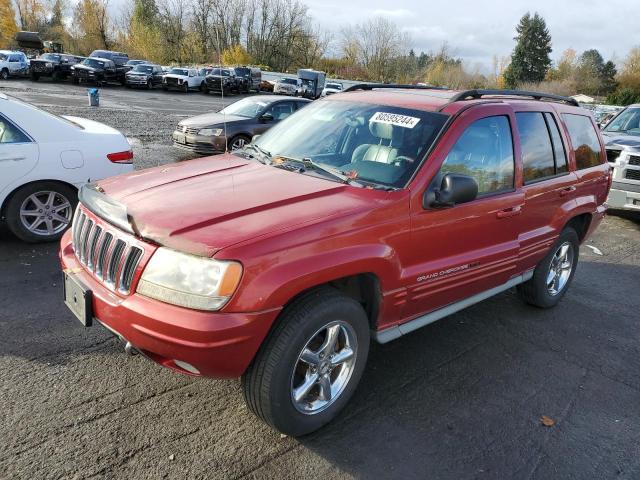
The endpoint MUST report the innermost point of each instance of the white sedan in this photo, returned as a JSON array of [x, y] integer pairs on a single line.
[[44, 159]]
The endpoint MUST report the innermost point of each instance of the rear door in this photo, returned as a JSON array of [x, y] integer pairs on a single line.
[[472, 247], [548, 186], [18, 153]]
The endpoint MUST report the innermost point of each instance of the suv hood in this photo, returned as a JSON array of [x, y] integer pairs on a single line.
[[175, 75], [204, 205], [79, 66], [621, 141]]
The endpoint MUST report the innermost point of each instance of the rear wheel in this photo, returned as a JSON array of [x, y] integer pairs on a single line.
[[310, 365], [553, 275], [41, 212]]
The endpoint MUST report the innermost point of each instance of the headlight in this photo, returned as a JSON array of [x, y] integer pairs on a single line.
[[49, 65], [189, 281], [216, 132]]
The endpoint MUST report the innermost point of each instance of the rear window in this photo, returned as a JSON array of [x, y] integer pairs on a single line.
[[584, 139]]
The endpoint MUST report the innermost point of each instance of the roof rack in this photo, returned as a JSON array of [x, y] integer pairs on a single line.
[[371, 86], [474, 94]]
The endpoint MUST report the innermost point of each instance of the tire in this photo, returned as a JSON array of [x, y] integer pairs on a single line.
[[35, 77], [165, 88], [4, 74], [205, 89], [541, 290], [202, 86], [75, 81], [186, 88], [55, 76], [149, 85], [276, 372], [23, 199], [239, 141]]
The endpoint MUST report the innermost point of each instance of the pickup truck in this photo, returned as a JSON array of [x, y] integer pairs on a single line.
[[97, 70], [362, 216], [54, 65]]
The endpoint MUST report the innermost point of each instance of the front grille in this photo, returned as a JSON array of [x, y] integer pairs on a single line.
[[112, 260], [39, 67], [189, 130], [171, 81], [632, 174], [612, 155], [634, 160]]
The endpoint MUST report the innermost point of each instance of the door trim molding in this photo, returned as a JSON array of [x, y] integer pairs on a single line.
[[392, 333]]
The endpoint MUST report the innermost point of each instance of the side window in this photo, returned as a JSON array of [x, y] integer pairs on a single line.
[[282, 110], [584, 139], [9, 133], [559, 152], [484, 151], [537, 151]]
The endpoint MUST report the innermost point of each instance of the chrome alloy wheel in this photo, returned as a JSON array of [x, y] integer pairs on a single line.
[[560, 268], [238, 143], [46, 213], [324, 367]]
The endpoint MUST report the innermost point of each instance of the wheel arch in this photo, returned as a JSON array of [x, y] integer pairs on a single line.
[[580, 222]]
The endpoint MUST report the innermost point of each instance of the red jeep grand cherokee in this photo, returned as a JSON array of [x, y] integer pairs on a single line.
[[370, 213]]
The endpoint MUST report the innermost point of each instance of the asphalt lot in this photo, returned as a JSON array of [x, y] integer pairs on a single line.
[[459, 399]]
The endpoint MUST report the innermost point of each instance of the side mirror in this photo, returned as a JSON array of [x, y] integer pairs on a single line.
[[266, 117], [454, 189]]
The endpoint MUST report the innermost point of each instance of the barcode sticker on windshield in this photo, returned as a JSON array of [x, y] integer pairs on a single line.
[[395, 119]]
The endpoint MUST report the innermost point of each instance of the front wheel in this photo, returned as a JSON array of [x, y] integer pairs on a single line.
[[310, 364], [239, 141], [4, 74], [41, 212], [553, 275], [186, 88]]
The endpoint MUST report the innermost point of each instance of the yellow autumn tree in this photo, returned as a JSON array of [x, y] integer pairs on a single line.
[[236, 55], [8, 26]]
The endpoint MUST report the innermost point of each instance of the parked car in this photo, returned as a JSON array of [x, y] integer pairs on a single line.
[[250, 78], [223, 80], [235, 125], [367, 214], [119, 58], [13, 64], [144, 75], [330, 88], [133, 63], [183, 79], [44, 159], [622, 138], [312, 82], [287, 86], [54, 65], [267, 85], [100, 71]]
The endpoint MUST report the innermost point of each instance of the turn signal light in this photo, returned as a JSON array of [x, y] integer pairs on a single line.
[[121, 157]]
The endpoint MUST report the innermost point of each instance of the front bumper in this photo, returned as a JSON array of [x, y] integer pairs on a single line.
[[137, 81], [624, 197], [199, 143], [217, 344]]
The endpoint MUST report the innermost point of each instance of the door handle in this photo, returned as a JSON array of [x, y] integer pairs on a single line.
[[509, 212], [10, 159], [566, 191]]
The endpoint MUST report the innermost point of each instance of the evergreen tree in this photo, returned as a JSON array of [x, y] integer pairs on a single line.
[[530, 60], [609, 83]]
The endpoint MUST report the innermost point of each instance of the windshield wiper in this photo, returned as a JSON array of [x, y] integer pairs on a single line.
[[308, 163], [264, 156]]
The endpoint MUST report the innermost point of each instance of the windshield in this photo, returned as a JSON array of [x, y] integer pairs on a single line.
[[51, 57], [627, 122], [143, 68], [221, 71], [335, 86], [180, 71], [245, 72], [290, 81], [378, 144], [92, 62], [3, 57], [247, 107]]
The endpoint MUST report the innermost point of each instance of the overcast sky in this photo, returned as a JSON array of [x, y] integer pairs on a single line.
[[475, 31]]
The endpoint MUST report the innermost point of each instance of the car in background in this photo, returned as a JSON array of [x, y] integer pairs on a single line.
[[234, 126], [133, 63], [287, 86], [100, 71], [622, 139], [330, 88], [57, 66], [44, 159], [267, 85], [183, 79], [13, 64], [250, 78], [222, 80], [144, 75]]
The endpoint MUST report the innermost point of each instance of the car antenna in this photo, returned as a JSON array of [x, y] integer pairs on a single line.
[[224, 114]]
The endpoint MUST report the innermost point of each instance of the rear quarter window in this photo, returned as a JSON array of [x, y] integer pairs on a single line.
[[584, 140]]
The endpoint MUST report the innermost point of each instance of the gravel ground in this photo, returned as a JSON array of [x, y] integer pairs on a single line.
[[459, 399]]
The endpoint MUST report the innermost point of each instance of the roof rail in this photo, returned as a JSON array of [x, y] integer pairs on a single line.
[[474, 94], [371, 86]]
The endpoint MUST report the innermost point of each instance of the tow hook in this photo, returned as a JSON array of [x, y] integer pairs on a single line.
[[130, 349]]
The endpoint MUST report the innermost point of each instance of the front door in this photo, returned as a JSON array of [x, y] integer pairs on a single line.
[[18, 153], [472, 247]]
